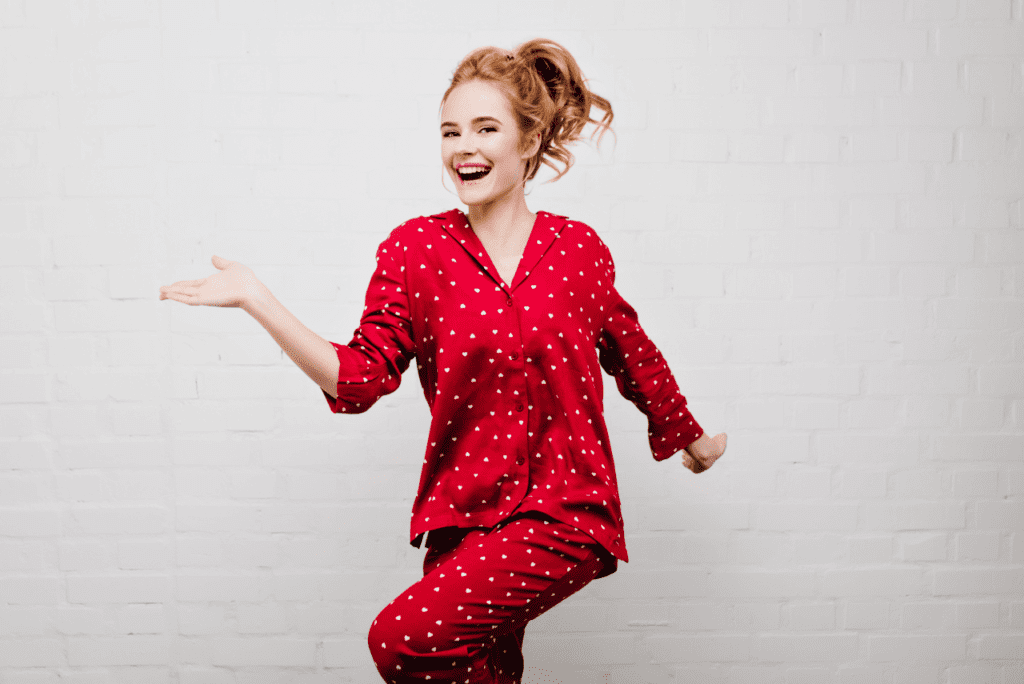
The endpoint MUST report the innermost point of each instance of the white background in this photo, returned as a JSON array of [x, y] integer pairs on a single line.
[[814, 206]]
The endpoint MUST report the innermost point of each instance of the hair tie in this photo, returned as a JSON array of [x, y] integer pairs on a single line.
[[510, 57]]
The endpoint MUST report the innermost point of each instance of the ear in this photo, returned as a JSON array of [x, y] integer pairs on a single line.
[[534, 147]]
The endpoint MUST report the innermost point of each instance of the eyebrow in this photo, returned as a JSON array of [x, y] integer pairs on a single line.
[[474, 121]]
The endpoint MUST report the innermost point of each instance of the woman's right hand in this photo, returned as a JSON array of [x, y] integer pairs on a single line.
[[234, 284]]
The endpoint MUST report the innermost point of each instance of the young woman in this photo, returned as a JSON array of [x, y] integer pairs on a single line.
[[511, 316]]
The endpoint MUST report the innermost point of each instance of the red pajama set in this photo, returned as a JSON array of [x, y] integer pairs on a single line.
[[518, 489]]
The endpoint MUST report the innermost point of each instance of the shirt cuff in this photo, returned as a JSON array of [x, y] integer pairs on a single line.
[[674, 437]]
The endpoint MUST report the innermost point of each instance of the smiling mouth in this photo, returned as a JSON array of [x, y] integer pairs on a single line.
[[472, 173]]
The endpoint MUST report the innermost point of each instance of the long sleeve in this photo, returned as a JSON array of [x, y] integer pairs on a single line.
[[642, 375], [372, 363]]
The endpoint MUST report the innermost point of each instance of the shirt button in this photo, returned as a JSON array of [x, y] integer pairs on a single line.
[[509, 301], [521, 461], [519, 407], [515, 355]]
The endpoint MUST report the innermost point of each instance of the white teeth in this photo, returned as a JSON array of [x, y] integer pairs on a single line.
[[472, 169]]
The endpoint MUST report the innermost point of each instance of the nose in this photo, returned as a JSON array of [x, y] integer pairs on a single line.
[[465, 145]]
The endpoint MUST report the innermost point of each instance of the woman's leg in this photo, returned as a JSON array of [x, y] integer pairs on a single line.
[[464, 621]]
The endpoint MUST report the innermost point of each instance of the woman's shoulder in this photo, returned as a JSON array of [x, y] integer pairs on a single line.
[[419, 223], [581, 231], [408, 230]]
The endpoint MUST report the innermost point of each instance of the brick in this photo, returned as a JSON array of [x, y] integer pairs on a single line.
[[893, 581], [874, 146], [807, 484], [1001, 646], [119, 589], [770, 584], [656, 584], [698, 648], [31, 590], [874, 42], [200, 620], [116, 520], [20, 250], [31, 653], [76, 555], [805, 516], [862, 484], [866, 615], [143, 555], [262, 619], [1001, 380], [876, 77], [977, 615], [978, 581], [1006, 109], [873, 549], [136, 420], [928, 615], [342, 652], [1000, 514], [979, 447], [975, 482], [810, 616], [81, 620], [196, 588], [264, 652], [141, 619], [930, 145], [909, 647], [577, 650], [318, 42], [115, 651], [924, 547], [978, 38], [912, 516], [916, 483], [27, 621], [29, 523], [22, 318], [806, 647]]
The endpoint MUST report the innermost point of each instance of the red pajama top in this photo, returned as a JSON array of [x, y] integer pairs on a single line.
[[512, 373]]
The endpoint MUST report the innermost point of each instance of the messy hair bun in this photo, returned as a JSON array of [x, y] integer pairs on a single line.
[[547, 93]]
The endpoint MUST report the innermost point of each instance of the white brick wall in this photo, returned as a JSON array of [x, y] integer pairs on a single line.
[[828, 196]]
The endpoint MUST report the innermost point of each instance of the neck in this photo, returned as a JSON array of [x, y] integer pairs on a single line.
[[503, 220]]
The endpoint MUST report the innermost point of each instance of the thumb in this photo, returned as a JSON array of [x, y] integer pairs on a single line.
[[220, 263]]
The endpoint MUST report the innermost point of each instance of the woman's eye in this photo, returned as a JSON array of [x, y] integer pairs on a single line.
[[488, 128], [448, 133]]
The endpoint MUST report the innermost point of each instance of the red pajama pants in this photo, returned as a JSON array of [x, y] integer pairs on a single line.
[[464, 622]]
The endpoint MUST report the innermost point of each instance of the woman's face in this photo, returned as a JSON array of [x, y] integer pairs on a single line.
[[479, 135]]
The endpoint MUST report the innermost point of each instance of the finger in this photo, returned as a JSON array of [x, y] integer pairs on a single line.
[[188, 295], [184, 299], [182, 289], [183, 283], [687, 460], [220, 263], [692, 463]]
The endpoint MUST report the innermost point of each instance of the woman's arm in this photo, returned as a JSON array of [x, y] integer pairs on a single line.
[[235, 285], [313, 354]]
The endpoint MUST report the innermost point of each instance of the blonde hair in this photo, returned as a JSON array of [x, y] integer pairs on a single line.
[[547, 93]]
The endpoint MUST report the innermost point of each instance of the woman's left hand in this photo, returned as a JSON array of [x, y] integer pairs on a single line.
[[703, 453]]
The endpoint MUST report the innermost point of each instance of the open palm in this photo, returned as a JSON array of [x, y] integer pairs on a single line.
[[232, 285]]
